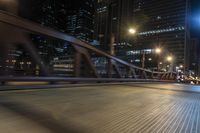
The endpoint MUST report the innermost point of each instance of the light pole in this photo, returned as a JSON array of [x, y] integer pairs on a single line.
[[158, 52], [170, 59], [143, 59], [181, 66], [132, 31]]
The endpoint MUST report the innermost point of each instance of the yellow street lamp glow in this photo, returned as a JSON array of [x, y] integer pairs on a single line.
[[132, 31], [158, 50], [181, 66], [169, 58]]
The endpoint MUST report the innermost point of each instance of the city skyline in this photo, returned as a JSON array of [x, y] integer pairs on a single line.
[[105, 25], [100, 66]]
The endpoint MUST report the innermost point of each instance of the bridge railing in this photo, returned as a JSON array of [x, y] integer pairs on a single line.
[[38, 53]]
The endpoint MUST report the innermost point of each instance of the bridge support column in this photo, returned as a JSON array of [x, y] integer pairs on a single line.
[[167, 76], [163, 76], [78, 58], [144, 75], [14, 36], [131, 72], [117, 70], [171, 76], [113, 66], [29, 47], [77, 64], [159, 75], [152, 75], [3, 58], [109, 68]]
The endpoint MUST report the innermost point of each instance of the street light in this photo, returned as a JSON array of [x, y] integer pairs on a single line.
[[169, 58], [132, 31], [158, 50], [181, 66]]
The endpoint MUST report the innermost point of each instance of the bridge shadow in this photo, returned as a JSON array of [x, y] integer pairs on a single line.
[[41, 118]]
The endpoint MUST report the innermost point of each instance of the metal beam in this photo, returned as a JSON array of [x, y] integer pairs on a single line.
[[116, 68], [62, 79], [77, 64], [87, 58]]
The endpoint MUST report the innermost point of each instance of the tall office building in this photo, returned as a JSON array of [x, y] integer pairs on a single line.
[[73, 17], [112, 21], [80, 19], [163, 23], [50, 13]]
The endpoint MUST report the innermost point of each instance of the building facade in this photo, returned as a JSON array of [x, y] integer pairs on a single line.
[[69, 17], [112, 21], [80, 19], [72, 17], [163, 24]]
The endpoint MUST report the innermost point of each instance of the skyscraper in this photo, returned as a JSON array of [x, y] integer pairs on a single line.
[[50, 13], [80, 19], [112, 22], [73, 17], [158, 24], [163, 23]]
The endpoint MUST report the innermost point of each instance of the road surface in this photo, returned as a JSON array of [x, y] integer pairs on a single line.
[[110, 108]]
